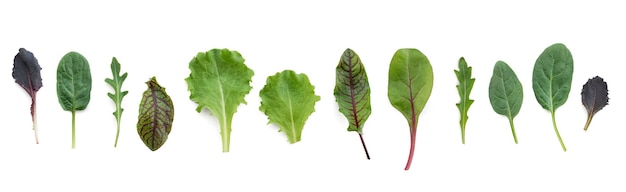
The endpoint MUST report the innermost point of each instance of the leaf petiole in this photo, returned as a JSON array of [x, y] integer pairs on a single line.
[[513, 129], [364, 147], [557, 132], [73, 129], [589, 117]]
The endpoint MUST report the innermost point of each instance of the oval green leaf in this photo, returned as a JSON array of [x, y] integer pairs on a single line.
[[156, 115], [73, 85], [288, 99], [552, 80], [505, 93], [73, 82], [410, 84]]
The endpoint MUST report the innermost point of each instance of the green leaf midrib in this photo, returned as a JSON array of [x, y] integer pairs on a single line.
[[506, 96]]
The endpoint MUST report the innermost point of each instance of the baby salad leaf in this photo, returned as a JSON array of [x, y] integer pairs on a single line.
[[156, 115], [466, 82], [506, 93], [552, 80], [219, 81], [288, 99], [27, 74], [73, 85], [595, 95], [352, 92], [410, 85], [118, 95]]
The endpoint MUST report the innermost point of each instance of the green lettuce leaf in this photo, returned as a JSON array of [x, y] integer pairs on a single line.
[[288, 99], [219, 81]]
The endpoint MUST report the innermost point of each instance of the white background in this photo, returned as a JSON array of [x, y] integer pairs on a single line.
[[152, 38]]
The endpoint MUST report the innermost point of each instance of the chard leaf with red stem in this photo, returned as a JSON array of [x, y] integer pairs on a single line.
[[410, 85]]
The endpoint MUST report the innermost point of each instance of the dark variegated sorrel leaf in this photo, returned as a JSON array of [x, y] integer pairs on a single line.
[[27, 74], [352, 93], [73, 86], [595, 95], [156, 114]]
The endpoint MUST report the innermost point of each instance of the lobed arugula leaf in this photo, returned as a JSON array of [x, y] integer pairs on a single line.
[[118, 95], [466, 83]]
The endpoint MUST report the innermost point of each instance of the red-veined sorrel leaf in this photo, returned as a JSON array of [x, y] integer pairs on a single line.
[[595, 95], [352, 93], [410, 85], [156, 115], [27, 73]]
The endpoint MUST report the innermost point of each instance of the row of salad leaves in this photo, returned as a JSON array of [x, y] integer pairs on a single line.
[[219, 81]]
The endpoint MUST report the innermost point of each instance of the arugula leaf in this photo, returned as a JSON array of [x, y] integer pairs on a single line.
[[288, 99], [466, 83], [118, 95], [219, 81], [410, 84], [552, 80], [352, 92], [156, 115], [505, 93], [73, 86], [595, 95], [27, 74]]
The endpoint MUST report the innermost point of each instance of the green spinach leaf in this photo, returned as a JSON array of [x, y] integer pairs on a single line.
[[73, 86]]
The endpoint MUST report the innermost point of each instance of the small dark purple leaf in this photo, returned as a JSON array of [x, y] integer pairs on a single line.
[[595, 95], [27, 74]]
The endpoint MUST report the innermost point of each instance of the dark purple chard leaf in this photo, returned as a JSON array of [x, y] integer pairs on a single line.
[[156, 114], [595, 95], [352, 93], [27, 73]]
